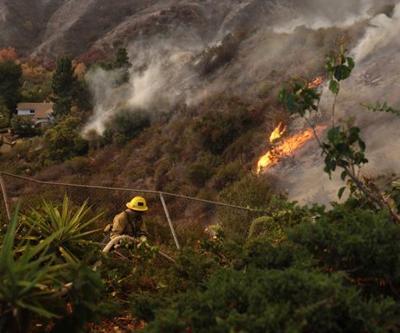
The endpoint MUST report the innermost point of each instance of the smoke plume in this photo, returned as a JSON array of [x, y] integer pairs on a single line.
[[282, 39], [375, 79], [159, 78]]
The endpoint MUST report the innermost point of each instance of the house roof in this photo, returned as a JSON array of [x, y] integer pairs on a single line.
[[42, 110]]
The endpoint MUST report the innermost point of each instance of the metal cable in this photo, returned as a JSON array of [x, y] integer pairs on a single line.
[[108, 188]]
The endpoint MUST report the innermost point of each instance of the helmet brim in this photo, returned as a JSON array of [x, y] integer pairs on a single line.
[[137, 209]]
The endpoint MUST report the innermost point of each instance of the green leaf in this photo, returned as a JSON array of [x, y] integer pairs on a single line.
[[341, 191], [334, 86], [342, 72], [62, 227], [351, 63]]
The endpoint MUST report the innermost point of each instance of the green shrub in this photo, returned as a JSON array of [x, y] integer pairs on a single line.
[[228, 174], [126, 125], [222, 122], [261, 226], [35, 288], [36, 93], [361, 242], [64, 140], [216, 56], [86, 299], [199, 174], [192, 269], [79, 165], [26, 282], [260, 253], [23, 126], [275, 301], [72, 226], [282, 216], [4, 115], [252, 192]]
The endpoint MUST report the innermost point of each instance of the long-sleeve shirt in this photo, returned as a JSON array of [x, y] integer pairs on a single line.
[[127, 223]]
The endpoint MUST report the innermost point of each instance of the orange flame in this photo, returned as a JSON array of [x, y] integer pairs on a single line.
[[277, 132], [285, 149], [318, 81]]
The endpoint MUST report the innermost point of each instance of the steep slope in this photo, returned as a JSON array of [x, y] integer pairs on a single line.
[[54, 27], [61, 26], [22, 25], [183, 53]]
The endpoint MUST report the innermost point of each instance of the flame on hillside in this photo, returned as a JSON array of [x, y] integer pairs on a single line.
[[285, 148], [277, 133], [317, 82]]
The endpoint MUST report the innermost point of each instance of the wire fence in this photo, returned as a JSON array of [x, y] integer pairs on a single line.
[[170, 212]]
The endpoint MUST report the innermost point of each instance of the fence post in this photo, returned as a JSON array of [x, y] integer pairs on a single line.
[[5, 198], [169, 221]]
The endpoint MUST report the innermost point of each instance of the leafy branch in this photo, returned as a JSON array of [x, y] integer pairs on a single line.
[[382, 107], [344, 147]]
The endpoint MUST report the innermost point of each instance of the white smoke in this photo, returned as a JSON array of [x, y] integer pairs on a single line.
[[158, 78], [321, 14], [382, 30], [162, 75], [107, 98], [146, 86], [375, 79]]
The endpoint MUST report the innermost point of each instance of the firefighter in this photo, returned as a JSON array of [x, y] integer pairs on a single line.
[[130, 221]]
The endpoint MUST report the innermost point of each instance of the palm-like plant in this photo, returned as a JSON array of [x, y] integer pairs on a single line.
[[72, 226], [28, 281]]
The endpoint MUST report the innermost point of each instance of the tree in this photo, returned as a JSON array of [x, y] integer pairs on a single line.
[[10, 83], [122, 59], [82, 97], [23, 126], [63, 84], [126, 125], [122, 63], [64, 141], [4, 115]]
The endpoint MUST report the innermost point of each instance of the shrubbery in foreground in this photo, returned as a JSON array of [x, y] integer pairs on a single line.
[[329, 271]]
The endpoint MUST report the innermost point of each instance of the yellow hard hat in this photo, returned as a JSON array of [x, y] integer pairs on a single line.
[[138, 204]]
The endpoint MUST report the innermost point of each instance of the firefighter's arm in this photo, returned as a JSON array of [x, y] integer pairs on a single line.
[[119, 225]]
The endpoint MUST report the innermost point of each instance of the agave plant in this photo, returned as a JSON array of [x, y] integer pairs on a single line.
[[72, 226], [28, 280]]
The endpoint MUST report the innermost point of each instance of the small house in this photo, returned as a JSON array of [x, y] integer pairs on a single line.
[[41, 113]]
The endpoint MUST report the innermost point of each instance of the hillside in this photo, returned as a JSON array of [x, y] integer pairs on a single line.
[[57, 27], [185, 53], [53, 28], [199, 166]]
